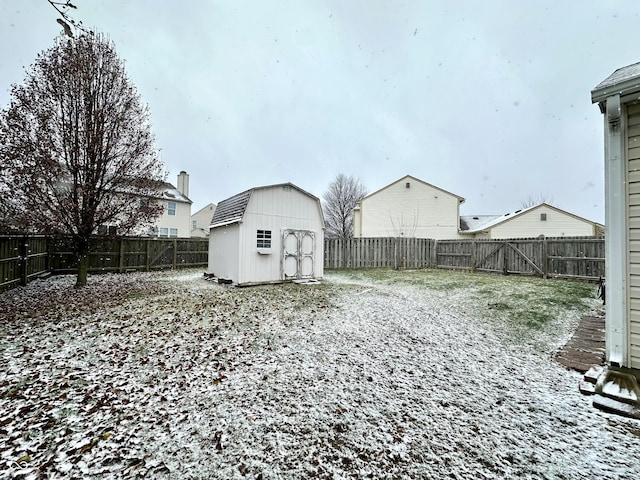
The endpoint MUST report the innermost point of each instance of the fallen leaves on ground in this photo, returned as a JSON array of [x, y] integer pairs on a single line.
[[165, 375]]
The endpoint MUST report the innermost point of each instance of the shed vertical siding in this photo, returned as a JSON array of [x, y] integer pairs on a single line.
[[419, 211], [557, 224], [633, 232], [223, 251], [277, 209]]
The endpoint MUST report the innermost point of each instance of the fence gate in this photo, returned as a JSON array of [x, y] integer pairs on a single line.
[[298, 248], [509, 257]]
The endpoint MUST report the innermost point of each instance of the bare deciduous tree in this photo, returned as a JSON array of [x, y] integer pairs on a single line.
[[76, 148], [532, 200], [340, 199]]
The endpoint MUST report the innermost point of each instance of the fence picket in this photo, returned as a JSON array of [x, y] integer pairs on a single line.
[[565, 257], [23, 258]]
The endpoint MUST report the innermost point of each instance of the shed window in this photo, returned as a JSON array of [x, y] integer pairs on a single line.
[[264, 239], [543, 217], [171, 208]]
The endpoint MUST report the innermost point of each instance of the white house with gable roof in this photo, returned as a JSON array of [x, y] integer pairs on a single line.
[[538, 220], [175, 221], [408, 207]]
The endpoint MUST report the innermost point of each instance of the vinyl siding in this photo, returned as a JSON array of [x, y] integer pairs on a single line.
[[203, 219], [420, 211], [633, 225], [181, 220], [529, 225], [277, 209]]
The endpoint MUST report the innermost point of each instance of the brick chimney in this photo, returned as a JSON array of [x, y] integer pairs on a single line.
[[183, 183]]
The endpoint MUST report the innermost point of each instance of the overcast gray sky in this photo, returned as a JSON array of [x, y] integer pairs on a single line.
[[489, 100]]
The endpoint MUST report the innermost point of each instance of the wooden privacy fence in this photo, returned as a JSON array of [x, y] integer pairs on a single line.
[[378, 252], [563, 257], [574, 257], [22, 258]]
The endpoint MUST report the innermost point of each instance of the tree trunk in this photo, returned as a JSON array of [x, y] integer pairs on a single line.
[[82, 259]]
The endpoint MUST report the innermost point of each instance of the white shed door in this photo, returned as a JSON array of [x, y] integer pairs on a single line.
[[298, 248]]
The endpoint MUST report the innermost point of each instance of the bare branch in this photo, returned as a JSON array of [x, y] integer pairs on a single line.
[[67, 21], [532, 200]]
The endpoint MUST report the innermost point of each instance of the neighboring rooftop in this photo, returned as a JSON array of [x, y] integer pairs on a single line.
[[624, 80], [172, 193], [469, 223], [478, 223]]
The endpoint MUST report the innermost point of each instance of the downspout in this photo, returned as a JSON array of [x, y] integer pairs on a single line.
[[616, 233]]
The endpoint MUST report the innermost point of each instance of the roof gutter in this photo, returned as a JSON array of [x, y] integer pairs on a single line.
[[628, 87]]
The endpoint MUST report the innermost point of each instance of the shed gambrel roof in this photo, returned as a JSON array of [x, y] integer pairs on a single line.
[[625, 80], [478, 223], [460, 199], [231, 210]]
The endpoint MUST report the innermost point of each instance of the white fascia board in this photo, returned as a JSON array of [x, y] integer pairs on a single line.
[[227, 222], [623, 88]]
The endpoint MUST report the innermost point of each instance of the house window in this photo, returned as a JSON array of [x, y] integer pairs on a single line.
[[543, 217], [264, 239], [163, 232], [171, 208], [407, 185], [173, 232], [194, 225]]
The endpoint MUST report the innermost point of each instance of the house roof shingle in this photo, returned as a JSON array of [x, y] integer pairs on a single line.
[[624, 80], [231, 210]]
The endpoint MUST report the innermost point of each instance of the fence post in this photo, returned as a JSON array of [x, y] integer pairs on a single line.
[[23, 260], [175, 254], [47, 259], [434, 253], [395, 253], [121, 256], [474, 256], [545, 258], [148, 258], [505, 270]]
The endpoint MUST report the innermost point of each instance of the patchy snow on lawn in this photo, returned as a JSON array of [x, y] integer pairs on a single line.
[[166, 375]]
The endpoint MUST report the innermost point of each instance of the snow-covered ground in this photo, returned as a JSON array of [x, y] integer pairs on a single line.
[[166, 375]]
